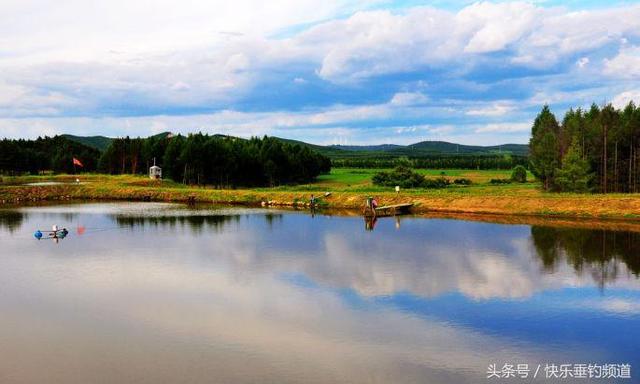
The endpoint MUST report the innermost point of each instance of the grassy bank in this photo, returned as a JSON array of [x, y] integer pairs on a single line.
[[348, 188]]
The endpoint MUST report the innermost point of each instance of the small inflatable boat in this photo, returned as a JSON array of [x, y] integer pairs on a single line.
[[58, 233]]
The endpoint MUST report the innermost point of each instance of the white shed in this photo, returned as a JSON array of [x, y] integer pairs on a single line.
[[155, 172]]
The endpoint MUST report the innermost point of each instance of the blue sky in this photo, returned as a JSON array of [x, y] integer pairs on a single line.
[[336, 72]]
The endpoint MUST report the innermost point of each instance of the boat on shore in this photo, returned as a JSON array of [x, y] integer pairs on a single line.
[[372, 210]]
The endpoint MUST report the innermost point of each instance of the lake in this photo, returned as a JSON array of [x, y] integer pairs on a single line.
[[162, 293]]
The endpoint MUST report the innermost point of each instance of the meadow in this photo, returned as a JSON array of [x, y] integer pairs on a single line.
[[358, 180], [359, 177]]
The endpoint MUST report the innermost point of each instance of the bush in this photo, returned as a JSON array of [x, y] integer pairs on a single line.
[[519, 174], [401, 175], [407, 178], [500, 181], [462, 181], [438, 182]]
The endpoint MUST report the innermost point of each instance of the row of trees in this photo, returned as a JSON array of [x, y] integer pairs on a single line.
[[462, 161], [597, 150], [44, 154], [216, 160]]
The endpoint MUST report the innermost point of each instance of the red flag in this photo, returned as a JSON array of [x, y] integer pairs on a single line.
[[77, 162]]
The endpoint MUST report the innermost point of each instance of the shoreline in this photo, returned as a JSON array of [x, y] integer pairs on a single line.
[[615, 207], [557, 221]]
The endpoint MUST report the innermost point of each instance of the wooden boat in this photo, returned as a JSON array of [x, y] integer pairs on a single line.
[[386, 210], [393, 210]]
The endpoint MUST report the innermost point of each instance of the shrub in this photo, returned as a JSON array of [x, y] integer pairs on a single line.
[[438, 182], [401, 175], [519, 174], [500, 181], [462, 181], [407, 178]]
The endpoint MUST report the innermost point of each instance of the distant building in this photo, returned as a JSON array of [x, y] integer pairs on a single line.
[[155, 172]]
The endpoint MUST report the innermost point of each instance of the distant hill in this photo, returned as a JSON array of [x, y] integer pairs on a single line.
[[421, 149], [452, 148], [98, 142], [380, 147], [101, 143], [164, 134], [329, 151]]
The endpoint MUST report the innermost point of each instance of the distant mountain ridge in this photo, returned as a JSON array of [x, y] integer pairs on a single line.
[[378, 147], [446, 147], [420, 149], [101, 143]]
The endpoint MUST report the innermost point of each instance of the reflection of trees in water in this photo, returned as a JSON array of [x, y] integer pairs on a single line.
[[11, 220], [272, 218], [598, 250], [196, 222]]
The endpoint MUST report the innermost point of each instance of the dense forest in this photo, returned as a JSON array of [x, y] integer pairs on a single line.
[[195, 159], [45, 154], [216, 160], [596, 150]]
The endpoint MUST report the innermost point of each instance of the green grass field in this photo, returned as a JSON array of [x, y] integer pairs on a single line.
[[339, 178], [359, 180], [358, 177]]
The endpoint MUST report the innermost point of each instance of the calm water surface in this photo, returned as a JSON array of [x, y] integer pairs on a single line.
[[158, 293]]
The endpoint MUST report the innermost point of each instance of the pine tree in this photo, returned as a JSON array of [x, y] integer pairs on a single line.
[[544, 146], [574, 176]]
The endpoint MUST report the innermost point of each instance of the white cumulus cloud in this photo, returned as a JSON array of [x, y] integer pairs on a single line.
[[622, 99], [495, 109], [626, 64], [504, 127]]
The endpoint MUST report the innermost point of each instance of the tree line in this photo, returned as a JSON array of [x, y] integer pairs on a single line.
[[463, 161], [45, 154], [590, 150], [216, 160]]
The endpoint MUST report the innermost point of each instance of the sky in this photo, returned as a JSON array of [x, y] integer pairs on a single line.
[[330, 72]]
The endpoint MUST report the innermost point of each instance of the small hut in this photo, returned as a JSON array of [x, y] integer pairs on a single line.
[[155, 172]]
